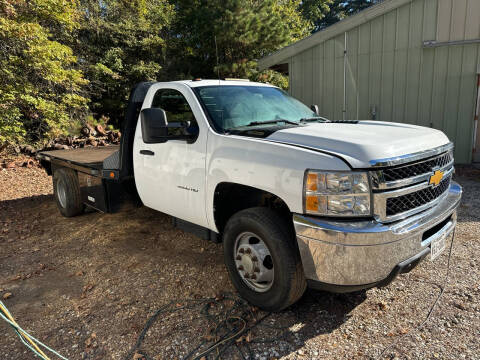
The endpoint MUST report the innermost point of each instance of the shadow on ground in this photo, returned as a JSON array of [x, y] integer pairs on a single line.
[[108, 273]]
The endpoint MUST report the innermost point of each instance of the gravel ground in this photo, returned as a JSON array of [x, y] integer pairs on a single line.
[[87, 285]]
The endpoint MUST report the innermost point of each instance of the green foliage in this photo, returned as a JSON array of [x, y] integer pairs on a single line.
[[340, 9], [314, 10], [64, 62], [40, 89], [120, 43], [239, 31], [271, 77]]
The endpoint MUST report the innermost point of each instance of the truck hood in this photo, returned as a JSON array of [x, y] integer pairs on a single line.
[[362, 142]]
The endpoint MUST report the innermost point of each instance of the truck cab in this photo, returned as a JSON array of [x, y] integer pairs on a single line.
[[297, 200]]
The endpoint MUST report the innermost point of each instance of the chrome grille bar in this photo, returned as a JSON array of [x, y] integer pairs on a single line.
[[378, 182], [403, 159], [425, 195]]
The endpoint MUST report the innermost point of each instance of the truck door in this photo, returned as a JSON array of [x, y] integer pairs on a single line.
[[170, 176]]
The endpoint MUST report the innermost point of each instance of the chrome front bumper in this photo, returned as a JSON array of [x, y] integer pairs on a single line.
[[345, 255]]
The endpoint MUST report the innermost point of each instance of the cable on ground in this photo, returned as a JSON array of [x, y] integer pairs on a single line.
[[432, 308], [28, 340]]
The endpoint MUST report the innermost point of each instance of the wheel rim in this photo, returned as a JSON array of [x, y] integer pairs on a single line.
[[61, 194], [253, 261]]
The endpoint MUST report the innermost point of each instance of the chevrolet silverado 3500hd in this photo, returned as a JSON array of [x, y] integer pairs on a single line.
[[295, 198]]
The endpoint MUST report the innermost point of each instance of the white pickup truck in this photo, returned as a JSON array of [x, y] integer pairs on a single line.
[[295, 198]]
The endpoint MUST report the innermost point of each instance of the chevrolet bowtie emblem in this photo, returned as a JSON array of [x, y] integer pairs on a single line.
[[436, 178]]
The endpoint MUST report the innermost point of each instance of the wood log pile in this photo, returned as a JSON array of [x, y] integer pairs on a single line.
[[91, 136]]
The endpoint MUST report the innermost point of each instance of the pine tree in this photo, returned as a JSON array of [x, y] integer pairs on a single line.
[[238, 31], [120, 43], [340, 9]]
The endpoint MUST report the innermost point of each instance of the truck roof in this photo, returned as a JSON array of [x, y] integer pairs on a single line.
[[213, 82]]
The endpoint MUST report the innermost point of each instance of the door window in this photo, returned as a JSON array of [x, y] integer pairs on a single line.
[[177, 110], [175, 105]]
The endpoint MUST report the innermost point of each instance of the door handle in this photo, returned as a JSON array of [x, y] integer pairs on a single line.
[[147, 152]]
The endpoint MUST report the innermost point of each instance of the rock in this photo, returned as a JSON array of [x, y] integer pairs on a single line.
[[7, 295], [29, 149], [28, 163], [61, 147], [460, 306]]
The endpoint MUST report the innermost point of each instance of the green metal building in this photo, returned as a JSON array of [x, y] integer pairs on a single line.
[[413, 61]]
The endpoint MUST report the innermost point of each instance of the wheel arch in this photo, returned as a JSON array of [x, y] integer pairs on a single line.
[[230, 198]]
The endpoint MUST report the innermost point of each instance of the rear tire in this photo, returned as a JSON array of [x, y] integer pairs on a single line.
[[271, 237], [66, 190]]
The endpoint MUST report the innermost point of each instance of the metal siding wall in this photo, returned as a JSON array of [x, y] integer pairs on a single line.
[[329, 76], [339, 45], [352, 75], [388, 68], [401, 63], [363, 80], [458, 20]]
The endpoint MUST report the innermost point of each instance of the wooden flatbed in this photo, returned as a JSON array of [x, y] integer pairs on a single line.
[[88, 159]]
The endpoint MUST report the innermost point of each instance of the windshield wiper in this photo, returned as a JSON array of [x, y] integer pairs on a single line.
[[315, 118], [255, 123]]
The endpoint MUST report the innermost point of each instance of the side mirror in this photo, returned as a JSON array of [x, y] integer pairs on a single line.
[[154, 125], [315, 109]]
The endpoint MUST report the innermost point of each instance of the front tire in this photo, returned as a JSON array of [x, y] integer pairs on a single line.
[[262, 259], [66, 190]]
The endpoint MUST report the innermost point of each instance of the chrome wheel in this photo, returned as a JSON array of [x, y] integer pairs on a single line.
[[61, 193], [253, 261]]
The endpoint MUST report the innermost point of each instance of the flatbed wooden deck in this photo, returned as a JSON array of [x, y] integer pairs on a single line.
[[91, 157]]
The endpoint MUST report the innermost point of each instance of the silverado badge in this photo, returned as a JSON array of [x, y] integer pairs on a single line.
[[436, 178]]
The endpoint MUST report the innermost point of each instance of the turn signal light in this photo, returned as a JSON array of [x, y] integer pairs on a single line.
[[312, 181], [311, 203]]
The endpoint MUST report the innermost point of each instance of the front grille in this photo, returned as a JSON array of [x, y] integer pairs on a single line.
[[397, 205], [418, 168]]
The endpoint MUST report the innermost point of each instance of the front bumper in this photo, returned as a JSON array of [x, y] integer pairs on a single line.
[[344, 256]]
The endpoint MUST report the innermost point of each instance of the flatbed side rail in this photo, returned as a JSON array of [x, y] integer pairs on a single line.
[[69, 164]]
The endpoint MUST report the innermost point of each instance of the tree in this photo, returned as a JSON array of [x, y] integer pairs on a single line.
[[120, 43], [40, 88], [340, 9], [225, 37], [315, 10]]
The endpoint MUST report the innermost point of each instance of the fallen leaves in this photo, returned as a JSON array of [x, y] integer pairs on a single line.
[[86, 289], [245, 338], [29, 182], [382, 305]]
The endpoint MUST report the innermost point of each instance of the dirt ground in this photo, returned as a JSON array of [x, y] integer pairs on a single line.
[[87, 286]]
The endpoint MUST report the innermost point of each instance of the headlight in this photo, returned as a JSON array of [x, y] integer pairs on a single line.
[[337, 193]]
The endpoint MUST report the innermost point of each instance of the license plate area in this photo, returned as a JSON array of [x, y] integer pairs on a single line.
[[437, 246], [431, 232]]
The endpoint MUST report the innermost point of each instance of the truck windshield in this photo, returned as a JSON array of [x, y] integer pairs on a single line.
[[237, 106]]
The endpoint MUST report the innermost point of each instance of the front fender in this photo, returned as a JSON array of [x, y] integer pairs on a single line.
[[273, 167]]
